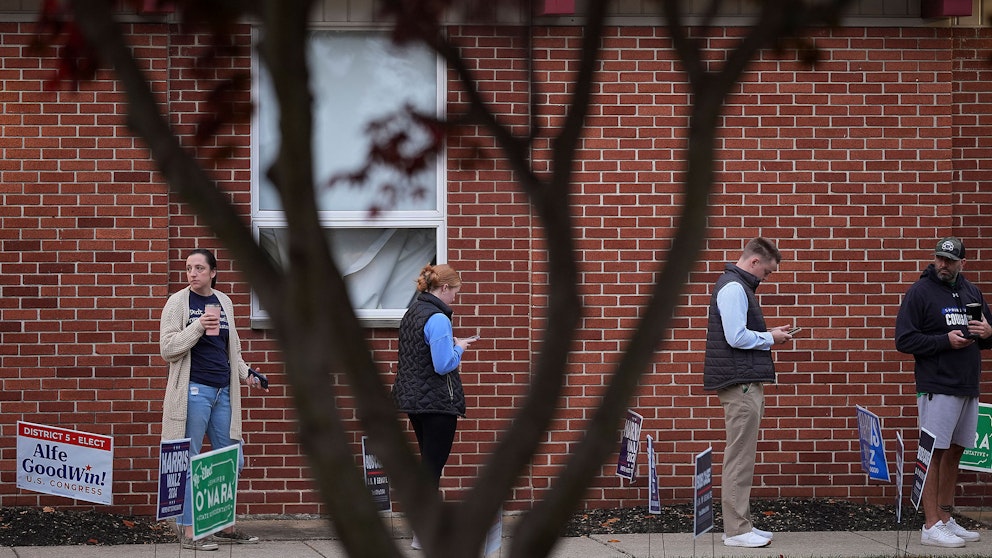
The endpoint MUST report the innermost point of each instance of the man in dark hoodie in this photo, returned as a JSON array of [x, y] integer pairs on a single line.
[[738, 362], [933, 325]]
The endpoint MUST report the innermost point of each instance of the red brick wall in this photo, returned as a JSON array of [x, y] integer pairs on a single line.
[[855, 168], [850, 167]]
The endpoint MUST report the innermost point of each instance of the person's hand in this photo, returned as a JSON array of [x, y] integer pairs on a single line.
[[781, 334], [958, 340], [209, 321], [254, 382], [980, 328], [466, 342]]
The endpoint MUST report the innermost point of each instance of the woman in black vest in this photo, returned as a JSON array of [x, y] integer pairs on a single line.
[[428, 387]]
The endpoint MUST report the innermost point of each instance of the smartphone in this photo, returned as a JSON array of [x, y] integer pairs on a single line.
[[473, 338], [262, 380], [794, 330]]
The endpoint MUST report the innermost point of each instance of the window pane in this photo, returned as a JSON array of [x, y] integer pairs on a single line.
[[357, 77], [380, 266]]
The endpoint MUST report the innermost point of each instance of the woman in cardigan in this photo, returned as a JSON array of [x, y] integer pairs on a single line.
[[203, 395]]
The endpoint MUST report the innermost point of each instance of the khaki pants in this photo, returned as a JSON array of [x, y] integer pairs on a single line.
[[743, 407]]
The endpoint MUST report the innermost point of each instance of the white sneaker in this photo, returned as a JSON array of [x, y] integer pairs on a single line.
[[968, 536], [748, 540], [940, 535], [766, 534], [416, 543]]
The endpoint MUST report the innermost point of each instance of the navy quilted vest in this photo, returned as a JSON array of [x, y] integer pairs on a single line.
[[726, 365]]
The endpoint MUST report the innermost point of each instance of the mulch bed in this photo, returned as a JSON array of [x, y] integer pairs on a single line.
[[781, 515], [50, 527]]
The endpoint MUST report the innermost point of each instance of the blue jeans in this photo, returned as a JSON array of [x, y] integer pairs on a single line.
[[208, 414]]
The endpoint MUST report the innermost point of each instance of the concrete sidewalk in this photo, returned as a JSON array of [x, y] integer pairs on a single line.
[[313, 539]]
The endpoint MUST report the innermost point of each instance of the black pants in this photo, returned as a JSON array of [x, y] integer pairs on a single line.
[[435, 435]]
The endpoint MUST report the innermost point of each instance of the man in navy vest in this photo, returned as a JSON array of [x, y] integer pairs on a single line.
[[738, 363]]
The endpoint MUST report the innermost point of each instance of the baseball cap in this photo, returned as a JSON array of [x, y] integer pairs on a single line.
[[950, 247]]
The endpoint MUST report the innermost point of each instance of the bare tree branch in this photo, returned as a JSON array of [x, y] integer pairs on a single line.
[[535, 535], [315, 293], [309, 305], [299, 301], [180, 169]]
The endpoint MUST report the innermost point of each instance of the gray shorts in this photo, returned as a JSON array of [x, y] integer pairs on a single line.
[[952, 419]]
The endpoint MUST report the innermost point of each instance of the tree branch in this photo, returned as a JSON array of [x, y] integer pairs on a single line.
[[315, 292], [180, 169]]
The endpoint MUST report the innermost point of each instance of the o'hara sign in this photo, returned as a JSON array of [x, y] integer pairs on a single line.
[[979, 458], [215, 488], [70, 463]]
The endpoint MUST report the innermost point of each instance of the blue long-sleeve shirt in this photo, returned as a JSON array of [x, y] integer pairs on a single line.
[[732, 302], [444, 353]]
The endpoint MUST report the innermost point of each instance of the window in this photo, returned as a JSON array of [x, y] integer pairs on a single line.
[[358, 77]]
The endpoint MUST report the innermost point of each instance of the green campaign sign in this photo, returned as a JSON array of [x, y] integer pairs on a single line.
[[979, 458], [215, 487]]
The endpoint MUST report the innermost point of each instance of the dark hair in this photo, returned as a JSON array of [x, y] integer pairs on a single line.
[[211, 262], [764, 249]]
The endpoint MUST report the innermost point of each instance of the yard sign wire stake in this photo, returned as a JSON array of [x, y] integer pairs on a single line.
[[663, 553], [981, 504]]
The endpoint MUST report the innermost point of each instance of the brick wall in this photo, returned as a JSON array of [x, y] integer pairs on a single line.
[[855, 168]]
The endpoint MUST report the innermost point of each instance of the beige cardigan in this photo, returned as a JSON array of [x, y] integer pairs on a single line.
[[176, 339]]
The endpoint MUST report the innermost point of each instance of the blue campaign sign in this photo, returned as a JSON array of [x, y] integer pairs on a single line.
[[872, 446], [703, 506], [173, 474], [629, 446]]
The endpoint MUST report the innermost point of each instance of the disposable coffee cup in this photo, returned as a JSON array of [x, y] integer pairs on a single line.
[[212, 310], [974, 311]]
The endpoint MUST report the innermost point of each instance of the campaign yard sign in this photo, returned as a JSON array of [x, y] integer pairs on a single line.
[[375, 478], [872, 446], [923, 454], [173, 470], [654, 497], [979, 458], [703, 502], [70, 463], [630, 442], [900, 467], [215, 488]]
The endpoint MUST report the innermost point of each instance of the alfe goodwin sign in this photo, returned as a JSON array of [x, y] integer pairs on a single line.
[[69, 463]]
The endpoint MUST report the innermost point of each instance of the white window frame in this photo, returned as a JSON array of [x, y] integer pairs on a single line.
[[401, 219]]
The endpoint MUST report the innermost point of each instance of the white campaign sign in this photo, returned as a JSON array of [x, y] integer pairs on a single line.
[[69, 463]]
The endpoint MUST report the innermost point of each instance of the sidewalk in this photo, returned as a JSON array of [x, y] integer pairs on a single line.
[[312, 539]]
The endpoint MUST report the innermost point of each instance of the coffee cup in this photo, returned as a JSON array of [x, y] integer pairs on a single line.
[[974, 311], [213, 310]]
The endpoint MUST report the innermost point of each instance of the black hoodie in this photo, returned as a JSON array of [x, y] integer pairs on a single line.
[[931, 309]]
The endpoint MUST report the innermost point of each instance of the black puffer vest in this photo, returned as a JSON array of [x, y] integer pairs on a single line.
[[418, 387], [725, 365]]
